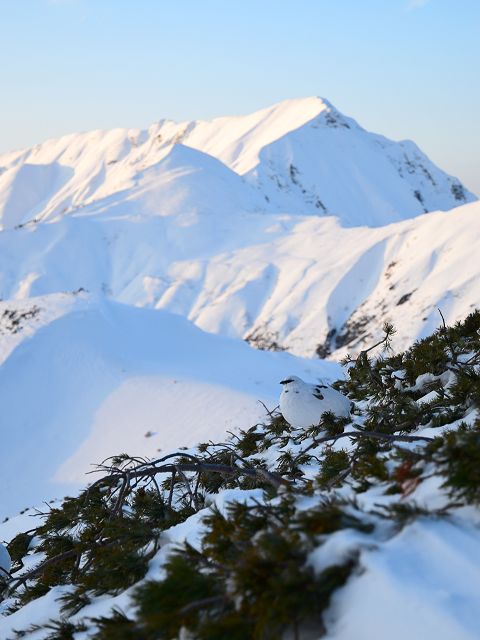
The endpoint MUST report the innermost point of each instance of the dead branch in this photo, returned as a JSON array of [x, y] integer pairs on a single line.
[[447, 339], [269, 413], [172, 487], [193, 499], [200, 604], [196, 465]]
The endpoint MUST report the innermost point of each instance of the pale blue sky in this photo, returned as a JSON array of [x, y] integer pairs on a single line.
[[404, 68]]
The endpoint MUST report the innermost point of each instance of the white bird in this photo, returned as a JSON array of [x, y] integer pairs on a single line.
[[302, 404]]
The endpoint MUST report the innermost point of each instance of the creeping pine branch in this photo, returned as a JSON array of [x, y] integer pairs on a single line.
[[389, 331], [198, 467], [376, 435], [444, 332], [117, 510], [200, 604], [15, 583], [121, 480], [343, 474], [467, 366], [12, 586], [187, 484], [362, 358], [4, 572], [172, 487]]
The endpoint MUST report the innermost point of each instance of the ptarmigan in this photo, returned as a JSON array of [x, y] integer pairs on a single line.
[[302, 404]]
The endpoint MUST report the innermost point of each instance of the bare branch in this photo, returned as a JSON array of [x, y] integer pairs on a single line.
[[200, 604], [196, 466], [193, 500], [269, 413], [447, 339], [172, 487]]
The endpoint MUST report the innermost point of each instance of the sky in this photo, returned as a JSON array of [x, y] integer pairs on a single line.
[[403, 68]]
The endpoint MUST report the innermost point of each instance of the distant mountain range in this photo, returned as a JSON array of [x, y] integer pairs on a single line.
[[299, 156], [292, 228]]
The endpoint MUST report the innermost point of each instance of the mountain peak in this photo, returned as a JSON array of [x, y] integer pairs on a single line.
[[300, 155], [304, 108], [238, 140]]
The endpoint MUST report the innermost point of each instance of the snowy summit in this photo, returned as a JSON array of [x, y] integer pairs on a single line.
[[300, 156]]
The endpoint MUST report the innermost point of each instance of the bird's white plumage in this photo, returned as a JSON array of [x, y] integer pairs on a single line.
[[302, 404]]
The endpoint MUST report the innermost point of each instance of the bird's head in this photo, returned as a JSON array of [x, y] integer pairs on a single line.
[[291, 380]]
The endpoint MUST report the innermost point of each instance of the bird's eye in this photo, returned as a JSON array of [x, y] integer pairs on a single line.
[[286, 381]]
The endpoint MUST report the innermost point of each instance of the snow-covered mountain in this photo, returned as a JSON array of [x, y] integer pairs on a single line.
[[135, 266], [304, 284], [210, 221], [213, 220], [299, 156]]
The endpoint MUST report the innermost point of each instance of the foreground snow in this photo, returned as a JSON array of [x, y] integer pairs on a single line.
[[92, 375], [423, 583], [418, 576]]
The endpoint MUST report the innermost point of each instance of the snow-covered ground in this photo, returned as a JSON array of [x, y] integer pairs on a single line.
[[93, 378], [423, 584]]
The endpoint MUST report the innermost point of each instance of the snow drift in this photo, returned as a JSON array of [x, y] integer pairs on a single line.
[[102, 378]]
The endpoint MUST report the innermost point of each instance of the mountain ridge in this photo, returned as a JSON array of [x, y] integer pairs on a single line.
[[299, 156]]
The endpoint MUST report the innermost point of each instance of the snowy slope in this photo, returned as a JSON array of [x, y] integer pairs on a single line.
[[90, 379], [176, 179], [408, 525], [299, 283], [306, 157], [300, 156], [292, 229], [426, 570]]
